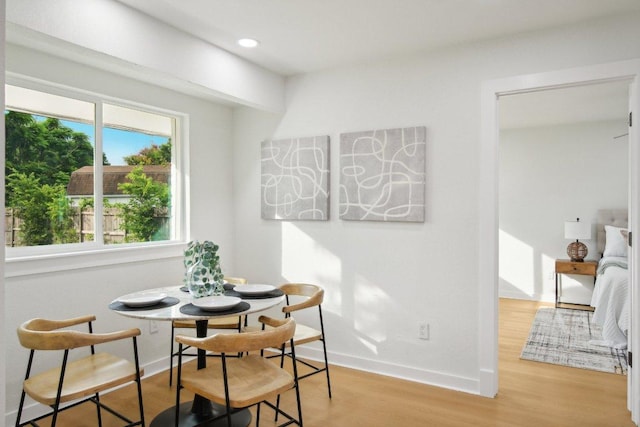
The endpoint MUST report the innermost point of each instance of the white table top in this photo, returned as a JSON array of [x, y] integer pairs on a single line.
[[173, 312]]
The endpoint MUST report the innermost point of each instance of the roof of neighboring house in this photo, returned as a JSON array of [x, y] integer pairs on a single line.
[[81, 181]]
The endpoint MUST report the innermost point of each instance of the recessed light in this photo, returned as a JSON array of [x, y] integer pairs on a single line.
[[248, 42]]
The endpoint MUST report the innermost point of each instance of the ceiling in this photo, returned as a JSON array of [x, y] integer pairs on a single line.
[[298, 36], [578, 104]]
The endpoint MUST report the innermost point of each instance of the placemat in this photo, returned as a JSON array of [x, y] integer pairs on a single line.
[[273, 294], [166, 302], [197, 311]]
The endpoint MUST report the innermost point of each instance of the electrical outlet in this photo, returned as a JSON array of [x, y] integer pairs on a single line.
[[423, 330], [153, 327]]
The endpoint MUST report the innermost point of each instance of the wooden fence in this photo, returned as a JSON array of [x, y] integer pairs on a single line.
[[112, 226]]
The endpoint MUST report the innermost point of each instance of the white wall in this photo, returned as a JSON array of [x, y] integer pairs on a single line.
[[383, 278], [80, 291], [549, 175]]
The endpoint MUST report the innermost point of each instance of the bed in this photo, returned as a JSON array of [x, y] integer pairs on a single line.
[[611, 292]]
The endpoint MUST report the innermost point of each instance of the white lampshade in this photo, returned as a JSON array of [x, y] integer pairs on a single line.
[[576, 230]]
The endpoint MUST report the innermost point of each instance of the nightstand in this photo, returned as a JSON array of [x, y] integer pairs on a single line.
[[566, 266]]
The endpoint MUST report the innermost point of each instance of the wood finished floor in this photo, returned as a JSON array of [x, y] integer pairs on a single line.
[[531, 394]]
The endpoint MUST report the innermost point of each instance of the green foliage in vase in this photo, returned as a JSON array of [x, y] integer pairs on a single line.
[[203, 273]]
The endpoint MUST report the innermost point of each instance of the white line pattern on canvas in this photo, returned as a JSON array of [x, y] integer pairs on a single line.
[[383, 175], [295, 178]]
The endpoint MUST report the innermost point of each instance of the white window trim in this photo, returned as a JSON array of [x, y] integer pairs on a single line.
[[86, 259], [24, 261]]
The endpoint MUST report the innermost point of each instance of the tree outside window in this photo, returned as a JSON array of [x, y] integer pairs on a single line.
[[46, 150]]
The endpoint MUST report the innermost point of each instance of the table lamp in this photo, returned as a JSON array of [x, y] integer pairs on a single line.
[[576, 230]]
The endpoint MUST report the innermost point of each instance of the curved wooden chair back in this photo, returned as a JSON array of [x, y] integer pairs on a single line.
[[282, 331], [236, 280], [43, 334], [314, 294]]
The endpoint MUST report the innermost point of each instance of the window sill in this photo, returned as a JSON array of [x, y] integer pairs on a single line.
[[40, 264]]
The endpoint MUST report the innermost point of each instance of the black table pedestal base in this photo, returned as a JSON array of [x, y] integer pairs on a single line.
[[188, 418]]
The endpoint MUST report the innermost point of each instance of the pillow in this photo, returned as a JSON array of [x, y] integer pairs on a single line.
[[615, 244]]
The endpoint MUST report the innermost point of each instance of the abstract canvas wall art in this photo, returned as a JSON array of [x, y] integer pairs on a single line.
[[382, 175], [295, 178]]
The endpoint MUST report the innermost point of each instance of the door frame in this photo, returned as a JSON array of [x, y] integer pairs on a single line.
[[489, 197]]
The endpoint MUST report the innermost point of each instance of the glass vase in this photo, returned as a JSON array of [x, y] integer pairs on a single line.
[[204, 281]]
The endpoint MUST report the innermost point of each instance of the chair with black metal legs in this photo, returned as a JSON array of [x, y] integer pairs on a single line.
[[81, 380], [238, 383], [306, 296], [309, 296], [300, 296], [225, 323]]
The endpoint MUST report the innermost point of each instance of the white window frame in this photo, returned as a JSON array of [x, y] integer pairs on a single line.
[[21, 261]]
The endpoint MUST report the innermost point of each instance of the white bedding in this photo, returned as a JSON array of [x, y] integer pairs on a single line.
[[611, 300]]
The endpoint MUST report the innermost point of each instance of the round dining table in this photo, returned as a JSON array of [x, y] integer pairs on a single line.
[[175, 304]]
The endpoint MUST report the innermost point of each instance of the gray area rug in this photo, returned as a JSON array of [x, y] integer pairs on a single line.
[[568, 337]]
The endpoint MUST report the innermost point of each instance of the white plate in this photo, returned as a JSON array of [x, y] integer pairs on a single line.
[[216, 302], [142, 299], [254, 289]]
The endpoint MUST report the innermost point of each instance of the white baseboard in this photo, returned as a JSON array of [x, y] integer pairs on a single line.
[[534, 297], [438, 379]]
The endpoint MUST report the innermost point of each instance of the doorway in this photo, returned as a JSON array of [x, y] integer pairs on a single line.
[[489, 196], [562, 155]]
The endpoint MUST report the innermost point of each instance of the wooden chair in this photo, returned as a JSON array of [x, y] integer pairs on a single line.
[[228, 323], [241, 382], [311, 296], [82, 378]]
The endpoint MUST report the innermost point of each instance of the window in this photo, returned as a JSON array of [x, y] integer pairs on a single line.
[[83, 172]]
